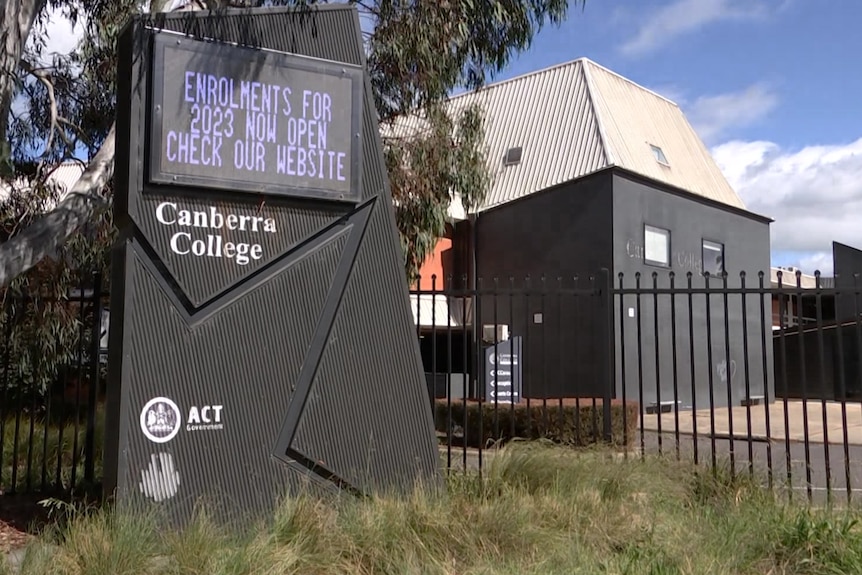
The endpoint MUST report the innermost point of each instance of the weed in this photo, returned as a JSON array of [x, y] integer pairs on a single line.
[[537, 509]]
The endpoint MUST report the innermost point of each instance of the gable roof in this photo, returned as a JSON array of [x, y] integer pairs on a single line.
[[577, 118]]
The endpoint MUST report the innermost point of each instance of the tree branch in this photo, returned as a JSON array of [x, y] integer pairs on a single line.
[[44, 236], [44, 78], [16, 22]]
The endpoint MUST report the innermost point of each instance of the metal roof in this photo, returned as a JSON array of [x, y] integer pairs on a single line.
[[64, 176], [633, 119], [576, 118]]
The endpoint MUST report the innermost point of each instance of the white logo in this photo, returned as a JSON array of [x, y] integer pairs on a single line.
[[204, 418], [160, 420], [160, 480]]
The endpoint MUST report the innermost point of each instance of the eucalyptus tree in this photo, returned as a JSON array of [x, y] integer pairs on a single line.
[[60, 107]]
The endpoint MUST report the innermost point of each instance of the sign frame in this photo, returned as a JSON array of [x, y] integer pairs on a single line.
[[215, 49]]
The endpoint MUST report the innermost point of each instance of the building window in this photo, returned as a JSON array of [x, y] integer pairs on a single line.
[[713, 258], [513, 156], [656, 246], [659, 156]]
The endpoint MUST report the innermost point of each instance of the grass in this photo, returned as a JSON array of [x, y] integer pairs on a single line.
[[538, 510], [33, 461]]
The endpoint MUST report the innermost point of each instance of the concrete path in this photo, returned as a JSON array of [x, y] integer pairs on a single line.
[[771, 421]]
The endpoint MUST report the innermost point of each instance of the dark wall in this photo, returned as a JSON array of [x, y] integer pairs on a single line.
[[847, 262], [565, 234], [746, 248], [819, 363]]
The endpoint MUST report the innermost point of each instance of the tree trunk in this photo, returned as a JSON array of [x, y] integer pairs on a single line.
[[16, 22], [44, 236]]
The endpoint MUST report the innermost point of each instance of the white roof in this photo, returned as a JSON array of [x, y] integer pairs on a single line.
[[577, 118], [789, 278], [64, 176], [440, 311]]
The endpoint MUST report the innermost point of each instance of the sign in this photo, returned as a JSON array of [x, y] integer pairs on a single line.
[[241, 119], [503, 382], [231, 375]]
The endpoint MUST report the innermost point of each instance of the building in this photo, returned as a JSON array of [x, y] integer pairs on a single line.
[[818, 354], [593, 172]]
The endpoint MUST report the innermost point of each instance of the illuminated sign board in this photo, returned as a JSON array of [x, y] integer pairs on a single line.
[[241, 119]]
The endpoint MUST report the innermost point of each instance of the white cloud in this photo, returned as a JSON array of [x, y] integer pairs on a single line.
[[818, 261], [814, 194], [682, 17], [713, 116], [60, 36]]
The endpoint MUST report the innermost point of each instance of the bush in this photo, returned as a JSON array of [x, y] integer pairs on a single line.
[[568, 421]]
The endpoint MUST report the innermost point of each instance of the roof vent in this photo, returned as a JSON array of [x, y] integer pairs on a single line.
[[513, 156], [659, 156]]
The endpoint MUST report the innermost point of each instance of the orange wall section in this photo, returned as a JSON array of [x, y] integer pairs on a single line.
[[435, 263]]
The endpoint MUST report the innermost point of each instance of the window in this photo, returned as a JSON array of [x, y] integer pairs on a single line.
[[513, 156], [656, 246], [659, 156], [713, 258]]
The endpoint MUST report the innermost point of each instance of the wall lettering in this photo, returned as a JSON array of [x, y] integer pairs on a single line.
[[188, 241], [688, 261], [634, 250], [681, 259]]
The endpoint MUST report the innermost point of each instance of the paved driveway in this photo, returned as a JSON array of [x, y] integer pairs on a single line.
[[775, 421]]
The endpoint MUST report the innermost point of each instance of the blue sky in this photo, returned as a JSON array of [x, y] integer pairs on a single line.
[[772, 86]]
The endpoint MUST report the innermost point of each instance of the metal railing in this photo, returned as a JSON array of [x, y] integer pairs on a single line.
[[687, 366], [52, 366]]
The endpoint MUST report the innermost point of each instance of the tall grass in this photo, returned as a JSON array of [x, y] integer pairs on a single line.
[[537, 510], [51, 451]]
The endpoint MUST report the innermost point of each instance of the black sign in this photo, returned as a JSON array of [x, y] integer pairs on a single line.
[[503, 371], [237, 374], [236, 118]]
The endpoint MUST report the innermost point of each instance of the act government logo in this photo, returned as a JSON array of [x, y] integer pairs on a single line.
[[160, 420]]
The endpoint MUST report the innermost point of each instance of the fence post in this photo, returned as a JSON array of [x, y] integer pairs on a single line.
[[606, 295], [95, 349]]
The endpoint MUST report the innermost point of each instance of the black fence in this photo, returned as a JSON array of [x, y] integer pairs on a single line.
[[52, 369], [729, 370], [757, 375]]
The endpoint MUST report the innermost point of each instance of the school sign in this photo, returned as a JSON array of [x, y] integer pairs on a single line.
[[261, 339]]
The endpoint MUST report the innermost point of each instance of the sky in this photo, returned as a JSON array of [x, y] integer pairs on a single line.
[[771, 86]]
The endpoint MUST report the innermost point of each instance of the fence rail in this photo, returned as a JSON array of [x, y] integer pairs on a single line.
[[51, 375], [731, 370], [721, 370]]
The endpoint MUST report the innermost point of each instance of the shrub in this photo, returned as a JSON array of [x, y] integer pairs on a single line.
[[567, 421]]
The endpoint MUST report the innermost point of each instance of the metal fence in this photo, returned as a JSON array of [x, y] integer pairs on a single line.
[[52, 367], [732, 372], [726, 370]]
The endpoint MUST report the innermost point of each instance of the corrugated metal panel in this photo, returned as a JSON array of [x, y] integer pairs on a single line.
[[633, 117], [548, 114]]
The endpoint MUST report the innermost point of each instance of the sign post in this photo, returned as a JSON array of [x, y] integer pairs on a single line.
[[261, 338]]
